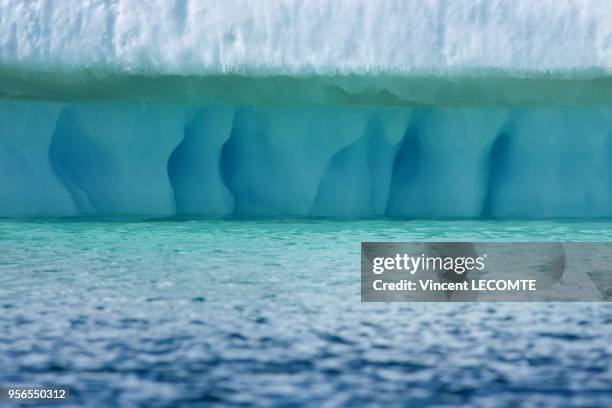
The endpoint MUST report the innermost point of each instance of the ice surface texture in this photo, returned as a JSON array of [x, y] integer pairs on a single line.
[[138, 158], [296, 37]]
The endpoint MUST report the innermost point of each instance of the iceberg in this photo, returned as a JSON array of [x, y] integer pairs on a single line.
[[353, 108]]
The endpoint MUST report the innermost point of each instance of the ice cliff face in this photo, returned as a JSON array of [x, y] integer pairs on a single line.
[[306, 108], [109, 158]]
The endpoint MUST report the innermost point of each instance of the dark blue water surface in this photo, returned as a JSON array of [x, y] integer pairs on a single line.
[[261, 312]]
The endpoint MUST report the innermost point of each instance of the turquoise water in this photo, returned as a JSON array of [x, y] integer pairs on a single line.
[[178, 312]]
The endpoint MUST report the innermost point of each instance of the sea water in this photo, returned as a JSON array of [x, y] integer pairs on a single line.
[[184, 312]]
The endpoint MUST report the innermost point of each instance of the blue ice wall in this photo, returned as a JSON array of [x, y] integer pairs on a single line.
[[163, 159]]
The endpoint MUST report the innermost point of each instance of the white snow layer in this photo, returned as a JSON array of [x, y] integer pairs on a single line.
[[297, 37]]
